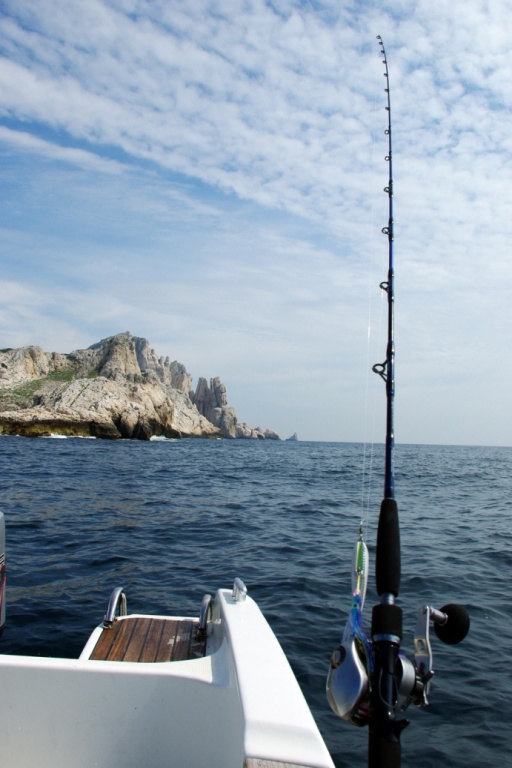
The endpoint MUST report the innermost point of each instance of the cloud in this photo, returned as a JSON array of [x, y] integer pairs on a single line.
[[214, 182], [27, 142], [200, 106]]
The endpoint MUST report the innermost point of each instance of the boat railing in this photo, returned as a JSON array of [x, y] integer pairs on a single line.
[[239, 591], [117, 600], [205, 613]]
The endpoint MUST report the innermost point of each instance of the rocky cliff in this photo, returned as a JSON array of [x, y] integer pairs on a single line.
[[116, 388]]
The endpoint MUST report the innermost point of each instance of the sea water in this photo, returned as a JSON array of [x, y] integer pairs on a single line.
[[171, 520]]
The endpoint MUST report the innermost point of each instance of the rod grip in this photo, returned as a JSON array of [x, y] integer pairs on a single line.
[[384, 729], [386, 620], [387, 563], [383, 753]]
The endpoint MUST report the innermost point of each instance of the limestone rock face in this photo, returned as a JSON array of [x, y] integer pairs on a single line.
[[98, 407], [180, 379], [256, 433], [24, 364], [116, 388], [130, 357], [212, 402]]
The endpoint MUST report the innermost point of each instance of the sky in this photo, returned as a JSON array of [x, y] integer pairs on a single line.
[[209, 176]]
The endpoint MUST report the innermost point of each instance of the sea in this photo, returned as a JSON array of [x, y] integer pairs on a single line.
[[171, 520]]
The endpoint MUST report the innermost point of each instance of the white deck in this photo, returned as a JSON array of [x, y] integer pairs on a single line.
[[241, 701]]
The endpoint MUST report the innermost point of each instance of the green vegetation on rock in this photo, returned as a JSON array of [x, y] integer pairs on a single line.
[[63, 374]]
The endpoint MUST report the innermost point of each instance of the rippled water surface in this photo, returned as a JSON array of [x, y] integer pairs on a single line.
[[172, 520]]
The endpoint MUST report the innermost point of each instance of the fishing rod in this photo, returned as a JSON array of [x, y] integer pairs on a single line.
[[370, 681], [386, 632]]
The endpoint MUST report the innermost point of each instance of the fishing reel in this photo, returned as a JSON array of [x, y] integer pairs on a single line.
[[351, 669]]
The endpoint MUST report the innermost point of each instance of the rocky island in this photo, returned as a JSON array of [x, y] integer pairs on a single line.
[[117, 388]]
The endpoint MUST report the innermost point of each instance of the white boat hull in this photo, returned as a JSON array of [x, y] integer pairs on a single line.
[[240, 701]]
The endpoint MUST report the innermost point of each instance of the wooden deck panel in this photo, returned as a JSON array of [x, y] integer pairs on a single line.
[[150, 640], [152, 643]]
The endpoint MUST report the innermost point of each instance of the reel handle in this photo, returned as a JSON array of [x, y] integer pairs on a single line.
[[451, 623]]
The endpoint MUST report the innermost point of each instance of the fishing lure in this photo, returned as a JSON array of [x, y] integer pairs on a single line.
[[352, 662], [354, 627]]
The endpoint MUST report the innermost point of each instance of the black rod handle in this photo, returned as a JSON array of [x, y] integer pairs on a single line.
[[383, 753], [384, 750], [387, 562]]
